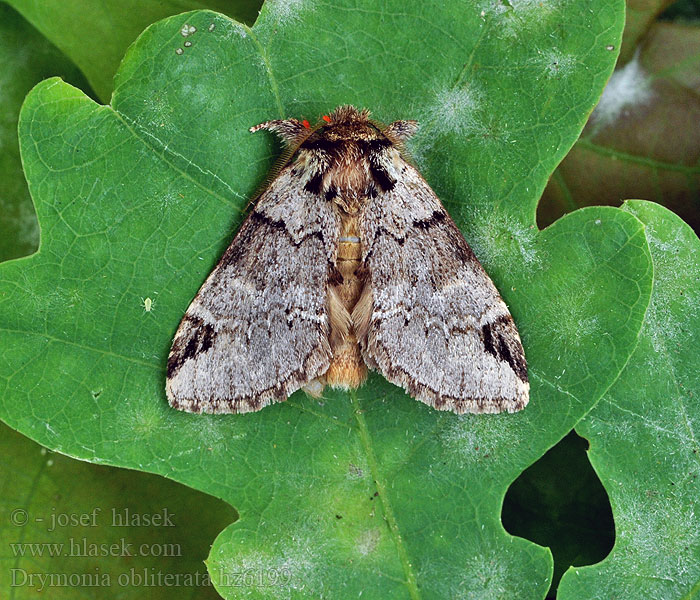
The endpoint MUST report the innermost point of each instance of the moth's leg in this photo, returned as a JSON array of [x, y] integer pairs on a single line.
[[315, 387]]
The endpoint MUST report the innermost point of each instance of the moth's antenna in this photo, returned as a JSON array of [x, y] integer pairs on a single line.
[[399, 141], [283, 158]]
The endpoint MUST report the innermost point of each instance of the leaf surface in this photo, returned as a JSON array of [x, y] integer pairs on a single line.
[[95, 35], [368, 491], [644, 435], [26, 59], [70, 526]]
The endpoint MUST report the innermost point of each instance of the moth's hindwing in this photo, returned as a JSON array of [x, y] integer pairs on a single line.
[[258, 329], [430, 318]]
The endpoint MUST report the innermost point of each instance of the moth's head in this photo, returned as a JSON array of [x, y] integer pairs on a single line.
[[344, 123], [347, 123]]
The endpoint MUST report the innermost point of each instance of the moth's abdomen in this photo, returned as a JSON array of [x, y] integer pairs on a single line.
[[347, 368]]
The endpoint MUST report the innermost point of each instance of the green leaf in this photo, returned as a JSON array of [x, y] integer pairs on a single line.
[[644, 435], [26, 59], [87, 526], [95, 35], [642, 140], [369, 491]]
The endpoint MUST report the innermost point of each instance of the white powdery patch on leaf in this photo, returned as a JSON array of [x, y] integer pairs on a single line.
[[168, 200], [516, 17], [669, 548], [158, 115], [469, 439], [574, 317], [367, 541], [671, 289], [214, 431], [498, 238], [557, 64], [295, 566], [534, 5], [463, 443], [139, 420], [282, 12], [486, 576], [460, 112], [454, 111], [628, 87], [234, 29]]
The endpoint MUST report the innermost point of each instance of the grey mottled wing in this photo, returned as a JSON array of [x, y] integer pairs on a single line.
[[258, 329], [434, 323]]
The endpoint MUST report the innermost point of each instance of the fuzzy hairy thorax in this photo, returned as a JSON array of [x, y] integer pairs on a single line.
[[347, 157]]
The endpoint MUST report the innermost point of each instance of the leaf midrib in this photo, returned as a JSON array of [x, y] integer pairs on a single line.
[[388, 510], [652, 163]]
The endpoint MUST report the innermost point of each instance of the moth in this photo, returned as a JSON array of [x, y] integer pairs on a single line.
[[348, 261]]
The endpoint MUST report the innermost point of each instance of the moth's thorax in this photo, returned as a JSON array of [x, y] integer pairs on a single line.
[[347, 163]]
